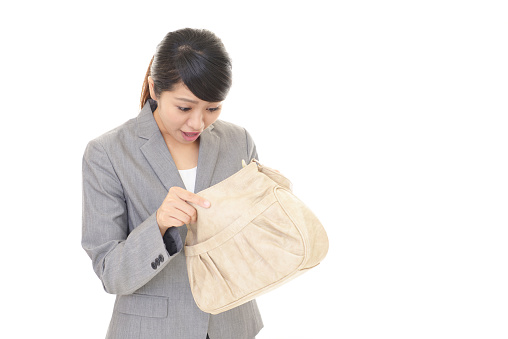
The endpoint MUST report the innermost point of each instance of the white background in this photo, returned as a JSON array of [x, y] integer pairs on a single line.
[[389, 117]]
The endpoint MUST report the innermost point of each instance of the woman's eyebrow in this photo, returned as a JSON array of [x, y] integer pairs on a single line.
[[188, 100]]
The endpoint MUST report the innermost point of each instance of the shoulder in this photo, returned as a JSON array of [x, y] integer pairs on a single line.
[[229, 130], [120, 136], [231, 134]]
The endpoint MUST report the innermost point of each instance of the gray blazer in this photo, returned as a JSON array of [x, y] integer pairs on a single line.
[[127, 173]]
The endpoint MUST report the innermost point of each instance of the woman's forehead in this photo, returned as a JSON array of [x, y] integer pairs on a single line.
[[183, 93]]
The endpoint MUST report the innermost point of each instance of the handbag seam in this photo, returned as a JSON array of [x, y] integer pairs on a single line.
[[288, 208], [305, 244], [288, 276], [231, 177], [226, 229]]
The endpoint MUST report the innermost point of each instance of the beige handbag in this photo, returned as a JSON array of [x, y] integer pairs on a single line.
[[255, 237]]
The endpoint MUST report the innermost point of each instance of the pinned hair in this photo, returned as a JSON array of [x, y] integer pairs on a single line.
[[196, 57]]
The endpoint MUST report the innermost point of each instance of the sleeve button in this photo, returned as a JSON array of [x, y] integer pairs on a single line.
[[154, 265]]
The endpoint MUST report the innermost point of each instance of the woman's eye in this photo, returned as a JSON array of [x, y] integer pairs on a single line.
[[183, 109], [213, 109]]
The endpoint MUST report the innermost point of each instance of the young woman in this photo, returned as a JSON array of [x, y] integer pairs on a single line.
[[137, 180]]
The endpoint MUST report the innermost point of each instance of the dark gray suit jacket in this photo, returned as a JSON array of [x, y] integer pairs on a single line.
[[127, 173]]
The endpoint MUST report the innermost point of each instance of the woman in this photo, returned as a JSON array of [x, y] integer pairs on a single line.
[[137, 179]]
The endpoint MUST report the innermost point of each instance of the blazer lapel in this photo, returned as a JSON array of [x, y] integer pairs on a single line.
[[208, 154], [155, 149], [158, 156]]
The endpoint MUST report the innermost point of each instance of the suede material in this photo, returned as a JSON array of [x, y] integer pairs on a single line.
[[256, 236]]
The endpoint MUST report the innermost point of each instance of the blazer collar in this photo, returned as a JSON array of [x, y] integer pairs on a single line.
[[158, 156]]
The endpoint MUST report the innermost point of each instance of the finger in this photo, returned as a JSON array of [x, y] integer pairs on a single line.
[[174, 222], [176, 214], [194, 198], [187, 209]]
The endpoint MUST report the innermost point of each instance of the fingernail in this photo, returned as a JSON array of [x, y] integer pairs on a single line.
[[206, 203]]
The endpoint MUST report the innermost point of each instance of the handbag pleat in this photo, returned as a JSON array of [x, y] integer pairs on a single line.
[[234, 256], [248, 261]]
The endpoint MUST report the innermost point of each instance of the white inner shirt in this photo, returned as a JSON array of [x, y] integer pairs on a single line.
[[189, 178]]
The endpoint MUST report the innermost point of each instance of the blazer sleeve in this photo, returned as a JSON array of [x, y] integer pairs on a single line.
[[123, 262], [251, 147]]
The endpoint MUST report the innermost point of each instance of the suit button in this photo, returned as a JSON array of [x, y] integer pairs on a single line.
[[161, 257], [157, 261], [154, 265]]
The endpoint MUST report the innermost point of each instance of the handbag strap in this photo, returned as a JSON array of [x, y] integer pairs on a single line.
[[232, 229]]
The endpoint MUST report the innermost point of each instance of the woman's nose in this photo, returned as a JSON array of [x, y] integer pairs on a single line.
[[196, 121]]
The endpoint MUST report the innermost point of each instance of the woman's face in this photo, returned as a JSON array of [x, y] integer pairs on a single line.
[[181, 116]]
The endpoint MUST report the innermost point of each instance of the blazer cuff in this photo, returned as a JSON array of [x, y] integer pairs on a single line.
[[172, 240]]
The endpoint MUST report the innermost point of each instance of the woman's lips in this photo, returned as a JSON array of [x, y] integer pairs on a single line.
[[190, 136]]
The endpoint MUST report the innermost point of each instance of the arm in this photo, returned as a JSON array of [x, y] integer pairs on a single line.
[[251, 147], [122, 261]]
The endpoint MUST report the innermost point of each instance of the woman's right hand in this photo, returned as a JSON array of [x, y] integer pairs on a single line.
[[175, 211]]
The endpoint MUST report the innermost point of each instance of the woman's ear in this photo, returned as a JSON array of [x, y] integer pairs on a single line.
[[151, 87]]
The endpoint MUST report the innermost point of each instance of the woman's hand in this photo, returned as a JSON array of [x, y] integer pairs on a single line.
[[175, 211]]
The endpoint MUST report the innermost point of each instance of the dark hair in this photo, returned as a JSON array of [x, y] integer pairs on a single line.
[[196, 57]]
